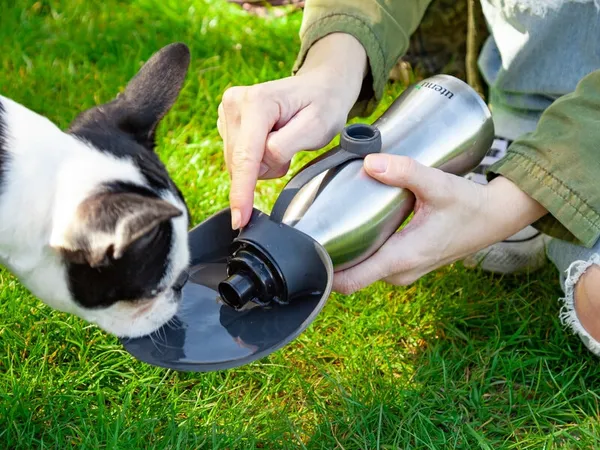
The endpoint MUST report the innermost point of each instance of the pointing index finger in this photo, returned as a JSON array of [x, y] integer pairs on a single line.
[[256, 123]]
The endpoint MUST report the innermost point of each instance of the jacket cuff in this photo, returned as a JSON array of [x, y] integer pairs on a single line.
[[570, 218], [377, 76]]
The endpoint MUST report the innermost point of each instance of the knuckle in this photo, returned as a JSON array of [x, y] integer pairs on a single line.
[[339, 283], [276, 153], [241, 158], [236, 197], [281, 171], [403, 166], [324, 127], [254, 94], [231, 97], [274, 148], [275, 171]]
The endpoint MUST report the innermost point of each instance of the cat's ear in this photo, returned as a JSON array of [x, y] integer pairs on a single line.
[[106, 224], [150, 94]]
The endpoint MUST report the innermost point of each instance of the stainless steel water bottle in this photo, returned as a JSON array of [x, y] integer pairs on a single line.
[[440, 122]]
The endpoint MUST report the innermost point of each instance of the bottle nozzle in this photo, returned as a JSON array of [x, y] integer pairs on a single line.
[[251, 278], [237, 290], [361, 139], [272, 263]]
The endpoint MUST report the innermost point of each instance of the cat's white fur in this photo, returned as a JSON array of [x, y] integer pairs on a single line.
[[47, 175]]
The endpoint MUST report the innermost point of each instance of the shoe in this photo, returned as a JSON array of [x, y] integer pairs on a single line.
[[525, 251]]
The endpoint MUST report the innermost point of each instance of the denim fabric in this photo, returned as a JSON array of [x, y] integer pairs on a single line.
[[537, 51]]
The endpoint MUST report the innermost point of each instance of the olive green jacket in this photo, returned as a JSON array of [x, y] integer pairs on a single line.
[[558, 164]]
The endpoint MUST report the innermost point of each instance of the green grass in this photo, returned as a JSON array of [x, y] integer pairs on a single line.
[[460, 359]]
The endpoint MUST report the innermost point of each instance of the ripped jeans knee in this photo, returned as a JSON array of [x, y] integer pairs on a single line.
[[572, 261]]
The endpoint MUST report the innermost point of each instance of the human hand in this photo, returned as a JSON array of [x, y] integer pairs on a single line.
[[265, 125], [454, 217]]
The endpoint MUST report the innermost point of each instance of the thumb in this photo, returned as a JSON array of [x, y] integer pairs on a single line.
[[402, 171], [305, 131]]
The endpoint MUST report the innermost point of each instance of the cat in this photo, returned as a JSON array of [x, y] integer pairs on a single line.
[[90, 221]]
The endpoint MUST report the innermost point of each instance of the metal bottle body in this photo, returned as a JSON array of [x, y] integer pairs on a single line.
[[440, 122]]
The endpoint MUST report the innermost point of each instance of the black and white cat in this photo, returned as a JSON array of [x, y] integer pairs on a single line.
[[90, 221]]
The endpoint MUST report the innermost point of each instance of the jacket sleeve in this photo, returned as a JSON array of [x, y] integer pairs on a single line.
[[559, 164], [383, 27]]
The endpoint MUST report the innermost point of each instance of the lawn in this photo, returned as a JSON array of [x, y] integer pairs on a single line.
[[460, 359]]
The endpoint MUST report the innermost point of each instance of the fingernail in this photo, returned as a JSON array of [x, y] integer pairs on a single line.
[[236, 218], [263, 169], [376, 163]]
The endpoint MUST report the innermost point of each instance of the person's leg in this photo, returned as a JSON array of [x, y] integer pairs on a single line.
[[579, 270], [536, 52]]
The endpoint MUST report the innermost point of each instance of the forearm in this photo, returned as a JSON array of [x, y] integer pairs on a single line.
[[509, 209], [383, 27], [558, 164]]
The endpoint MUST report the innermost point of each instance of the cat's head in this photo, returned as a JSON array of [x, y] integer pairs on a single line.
[[124, 245]]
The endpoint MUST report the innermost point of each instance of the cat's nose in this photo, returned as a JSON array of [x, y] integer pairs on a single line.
[[181, 280]]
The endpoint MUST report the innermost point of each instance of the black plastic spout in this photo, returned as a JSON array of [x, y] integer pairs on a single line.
[[251, 278], [237, 290], [272, 262]]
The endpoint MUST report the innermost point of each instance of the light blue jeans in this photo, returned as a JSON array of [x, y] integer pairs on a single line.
[[538, 51]]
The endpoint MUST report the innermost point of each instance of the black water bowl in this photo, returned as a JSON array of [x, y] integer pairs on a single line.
[[206, 334]]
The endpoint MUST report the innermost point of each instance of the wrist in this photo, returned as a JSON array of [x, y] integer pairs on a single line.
[[509, 207], [340, 59]]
